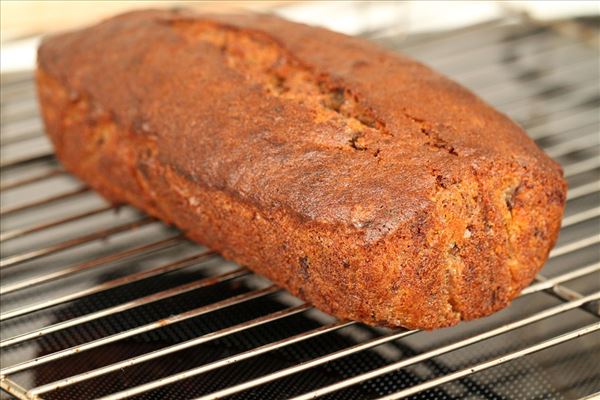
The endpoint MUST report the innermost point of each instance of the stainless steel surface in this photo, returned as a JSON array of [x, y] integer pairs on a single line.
[[104, 302]]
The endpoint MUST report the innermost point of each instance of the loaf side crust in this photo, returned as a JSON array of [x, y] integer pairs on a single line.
[[378, 198]]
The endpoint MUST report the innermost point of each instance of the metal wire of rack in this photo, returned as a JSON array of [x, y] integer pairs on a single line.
[[100, 302]]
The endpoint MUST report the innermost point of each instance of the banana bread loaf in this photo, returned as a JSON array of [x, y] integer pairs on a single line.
[[356, 178]]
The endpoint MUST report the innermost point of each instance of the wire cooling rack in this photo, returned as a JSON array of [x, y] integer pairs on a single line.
[[98, 302]]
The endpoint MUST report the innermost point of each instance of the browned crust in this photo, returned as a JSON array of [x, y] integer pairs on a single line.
[[355, 178]]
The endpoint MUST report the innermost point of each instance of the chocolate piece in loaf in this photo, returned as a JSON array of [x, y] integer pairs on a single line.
[[356, 178]]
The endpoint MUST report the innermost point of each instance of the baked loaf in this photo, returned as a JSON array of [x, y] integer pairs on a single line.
[[356, 178]]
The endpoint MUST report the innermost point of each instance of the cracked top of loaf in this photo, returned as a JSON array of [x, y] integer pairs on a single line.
[[374, 134]]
